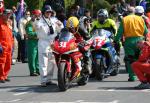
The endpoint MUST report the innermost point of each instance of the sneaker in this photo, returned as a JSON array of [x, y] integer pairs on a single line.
[[34, 74], [7, 80], [75, 74], [143, 86], [132, 79], [43, 84], [50, 83], [2, 81], [13, 61]]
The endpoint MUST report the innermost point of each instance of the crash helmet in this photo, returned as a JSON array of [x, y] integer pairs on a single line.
[[102, 15], [72, 22]]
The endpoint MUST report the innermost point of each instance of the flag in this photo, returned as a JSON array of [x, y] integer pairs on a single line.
[[20, 10]]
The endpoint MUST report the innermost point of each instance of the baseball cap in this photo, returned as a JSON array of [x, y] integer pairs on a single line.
[[139, 9], [7, 11]]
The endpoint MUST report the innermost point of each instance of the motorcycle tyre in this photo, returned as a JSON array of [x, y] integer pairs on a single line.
[[115, 72], [62, 76], [83, 81], [99, 69]]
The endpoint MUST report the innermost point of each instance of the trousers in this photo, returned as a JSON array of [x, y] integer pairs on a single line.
[[47, 65], [142, 70]]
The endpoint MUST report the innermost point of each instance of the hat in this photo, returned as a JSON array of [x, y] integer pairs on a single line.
[[47, 8], [139, 9], [36, 12]]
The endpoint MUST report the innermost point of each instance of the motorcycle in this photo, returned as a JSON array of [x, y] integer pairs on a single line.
[[105, 59], [63, 48]]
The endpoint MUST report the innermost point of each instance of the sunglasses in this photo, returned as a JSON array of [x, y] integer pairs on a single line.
[[48, 12]]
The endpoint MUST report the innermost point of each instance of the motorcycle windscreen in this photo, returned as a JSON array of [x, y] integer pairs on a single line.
[[102, 32], [65, 36]]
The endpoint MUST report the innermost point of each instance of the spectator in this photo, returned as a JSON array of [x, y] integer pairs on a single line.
[[79, 11], [143, 4], [62, 17], [141, 67], [122, 8], [6, 44], [22, 43], [139, 10], [32, 44], [87, 13], [46, 29], [1, 6], [15, 35]]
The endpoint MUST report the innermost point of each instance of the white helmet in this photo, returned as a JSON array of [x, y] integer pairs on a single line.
[[139, 9]]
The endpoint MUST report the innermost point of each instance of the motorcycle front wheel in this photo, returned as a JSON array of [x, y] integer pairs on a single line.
[[99, 69], [63, 79]]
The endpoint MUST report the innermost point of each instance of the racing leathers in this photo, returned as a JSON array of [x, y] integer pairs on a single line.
[[81, 36], [109, 25]]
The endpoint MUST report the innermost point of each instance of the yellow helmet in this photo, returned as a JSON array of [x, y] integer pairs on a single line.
[[72, 22]]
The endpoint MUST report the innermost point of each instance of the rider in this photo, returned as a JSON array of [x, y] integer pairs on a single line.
[[80, 34], [103, 22]]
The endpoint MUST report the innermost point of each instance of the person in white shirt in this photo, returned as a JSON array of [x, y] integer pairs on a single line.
[[22, 43], [47, 29]]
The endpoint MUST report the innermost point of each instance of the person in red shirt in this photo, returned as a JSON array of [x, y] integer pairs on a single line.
[[1, 6], [142, 66], [6, 42]]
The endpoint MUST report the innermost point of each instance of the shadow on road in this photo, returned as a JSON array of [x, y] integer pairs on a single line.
[[117, 88], [31, 88], [35, 88]]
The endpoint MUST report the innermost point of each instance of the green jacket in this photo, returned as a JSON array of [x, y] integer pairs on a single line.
[[31, 34]]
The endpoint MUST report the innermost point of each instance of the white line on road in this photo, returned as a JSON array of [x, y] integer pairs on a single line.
[[17, 94], [11, 101], [109, 90], [81, 101], [5, 89]]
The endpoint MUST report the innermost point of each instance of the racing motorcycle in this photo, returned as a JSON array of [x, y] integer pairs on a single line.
[[63, 48], [105, 59]]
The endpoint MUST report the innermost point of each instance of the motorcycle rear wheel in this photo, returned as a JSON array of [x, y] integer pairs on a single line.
[[63, 80], [83, 81]]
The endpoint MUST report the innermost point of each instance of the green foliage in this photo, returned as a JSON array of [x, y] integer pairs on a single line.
[[112, 1], [32, 4], [69, 3], [98, 4]]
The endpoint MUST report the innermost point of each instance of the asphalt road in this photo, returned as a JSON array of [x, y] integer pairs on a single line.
[[25, 89]]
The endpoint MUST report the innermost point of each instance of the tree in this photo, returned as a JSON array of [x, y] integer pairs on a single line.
[[32, 4]]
